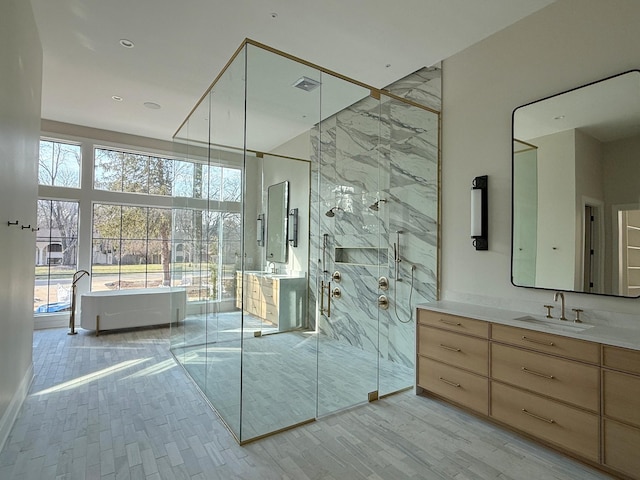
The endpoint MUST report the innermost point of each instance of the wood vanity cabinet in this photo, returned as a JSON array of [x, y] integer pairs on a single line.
[[453, 359], [621, 409], [552, 397], [581, 397], [277, 300]]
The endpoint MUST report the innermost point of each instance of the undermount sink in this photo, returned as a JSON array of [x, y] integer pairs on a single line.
[[555, 324]]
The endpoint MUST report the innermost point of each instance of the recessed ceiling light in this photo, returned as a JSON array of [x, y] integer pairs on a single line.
[[387, 65], [274, 15], [117, 98], [559, 117], [126, 43], [307, 84], [152, 105]]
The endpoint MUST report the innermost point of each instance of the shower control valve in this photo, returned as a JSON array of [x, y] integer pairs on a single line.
[[383, 283], [336, 293], [383, 302], [337, 276]]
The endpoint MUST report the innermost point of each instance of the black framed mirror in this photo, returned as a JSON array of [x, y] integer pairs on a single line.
[[576, 189], [277, 219]]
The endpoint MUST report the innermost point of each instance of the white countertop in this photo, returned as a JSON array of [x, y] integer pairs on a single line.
[[619, 337]]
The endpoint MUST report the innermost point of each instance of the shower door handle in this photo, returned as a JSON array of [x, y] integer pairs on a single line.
[[322, 289]]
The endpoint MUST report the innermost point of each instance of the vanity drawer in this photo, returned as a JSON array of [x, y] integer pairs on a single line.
[[571, 429], [621, 359], [620, 447], [547, 343], [454, 323], [461, 387], [254, 307], [458, 350], [271, 313], [621, 396], [270, 295], [565, 380]]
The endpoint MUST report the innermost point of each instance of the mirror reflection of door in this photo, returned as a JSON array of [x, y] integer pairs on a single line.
[[592, 249], [629, 231]]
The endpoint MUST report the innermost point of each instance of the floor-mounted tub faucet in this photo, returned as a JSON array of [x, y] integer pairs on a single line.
[[555, 299]]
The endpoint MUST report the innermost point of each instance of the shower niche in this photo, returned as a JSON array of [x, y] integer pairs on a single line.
[[351, 165]]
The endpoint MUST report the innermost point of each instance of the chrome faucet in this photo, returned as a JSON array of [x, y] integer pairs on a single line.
[[271, 266], [555, 299]]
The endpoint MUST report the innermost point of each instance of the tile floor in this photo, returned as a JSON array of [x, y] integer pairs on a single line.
[[118, 407], [282, 373]]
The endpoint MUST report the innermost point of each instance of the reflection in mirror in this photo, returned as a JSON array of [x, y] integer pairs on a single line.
[[277, 216], [576, 190]]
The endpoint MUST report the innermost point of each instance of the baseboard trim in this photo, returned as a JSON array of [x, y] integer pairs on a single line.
[[9, 417]]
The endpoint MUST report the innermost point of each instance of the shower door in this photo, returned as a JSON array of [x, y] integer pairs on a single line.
[[347, 236]]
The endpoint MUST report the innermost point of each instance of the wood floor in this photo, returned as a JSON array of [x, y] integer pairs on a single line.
[[118, 407]]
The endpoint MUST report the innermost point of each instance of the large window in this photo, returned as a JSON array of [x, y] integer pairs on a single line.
[[206, 249], [131, 247], [59, 164], [56, 255], [135, 241], [122, 171]]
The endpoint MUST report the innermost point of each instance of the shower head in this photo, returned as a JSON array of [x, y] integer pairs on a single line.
[[376, 206], [332, 211]]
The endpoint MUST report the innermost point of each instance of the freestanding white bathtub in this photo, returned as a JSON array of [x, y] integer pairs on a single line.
[[112, 309]]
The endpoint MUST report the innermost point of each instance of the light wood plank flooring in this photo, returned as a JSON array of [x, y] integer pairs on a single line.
[[118, 407]]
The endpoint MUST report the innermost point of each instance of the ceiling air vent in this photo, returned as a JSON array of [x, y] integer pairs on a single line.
[[307, 84]]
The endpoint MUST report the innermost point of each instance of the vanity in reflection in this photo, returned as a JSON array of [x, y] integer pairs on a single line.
[[279, 300]]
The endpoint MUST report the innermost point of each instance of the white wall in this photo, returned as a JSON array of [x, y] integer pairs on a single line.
[[20, 93], [589, 191], [567, 44], [555, 260]]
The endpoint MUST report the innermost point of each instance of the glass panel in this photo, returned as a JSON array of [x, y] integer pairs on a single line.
[[160, 176], [183, 179], [268, 350], [408, 208], [59, 164], [56, 255], [108, 170], [206, 242], [279, 367], [231, 184], [348, 239]]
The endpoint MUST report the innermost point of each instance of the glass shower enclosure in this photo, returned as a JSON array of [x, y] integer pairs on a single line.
[[312, 239]]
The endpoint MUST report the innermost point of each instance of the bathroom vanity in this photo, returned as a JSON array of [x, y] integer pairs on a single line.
[[278, 299], [573, 387]]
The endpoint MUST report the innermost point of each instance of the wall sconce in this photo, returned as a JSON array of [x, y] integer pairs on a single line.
[[260, 230], [292, 233], [479, 213]]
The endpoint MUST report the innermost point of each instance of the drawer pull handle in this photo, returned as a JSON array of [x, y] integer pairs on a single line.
[[449, 322], [533, 372], [533, 340], [457, 385], [548, 420], [446, 347]]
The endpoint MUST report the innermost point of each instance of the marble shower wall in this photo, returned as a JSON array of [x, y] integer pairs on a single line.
[[387, 151]]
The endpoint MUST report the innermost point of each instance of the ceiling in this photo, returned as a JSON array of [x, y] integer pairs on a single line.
[[181, 46], [608, 111]]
